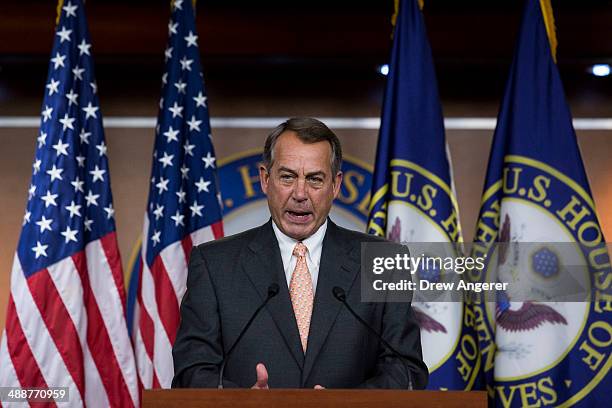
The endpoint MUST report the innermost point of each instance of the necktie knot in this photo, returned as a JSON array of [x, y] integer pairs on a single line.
[[299, 250]]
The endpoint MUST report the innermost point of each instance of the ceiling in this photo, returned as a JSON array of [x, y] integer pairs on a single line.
[[479, 31], [472, 41]]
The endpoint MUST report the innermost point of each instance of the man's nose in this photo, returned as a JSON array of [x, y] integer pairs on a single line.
[[299, 190]]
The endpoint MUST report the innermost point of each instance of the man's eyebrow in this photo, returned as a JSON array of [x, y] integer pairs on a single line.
[[288, 170], [311, 174], [316, 173]]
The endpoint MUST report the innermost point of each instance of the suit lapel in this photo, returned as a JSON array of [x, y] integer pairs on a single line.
[[263, 265], [339, 266]]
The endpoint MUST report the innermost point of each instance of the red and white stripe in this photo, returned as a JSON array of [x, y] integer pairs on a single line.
[[66, 327], [160, 290]]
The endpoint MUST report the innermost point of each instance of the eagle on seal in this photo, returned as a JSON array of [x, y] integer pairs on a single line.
[[530, 315]]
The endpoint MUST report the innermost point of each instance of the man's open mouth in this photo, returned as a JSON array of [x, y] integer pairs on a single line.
[[299, 216]]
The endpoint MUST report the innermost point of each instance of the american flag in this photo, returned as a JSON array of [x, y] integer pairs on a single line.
[[184, 203], [65, 323]]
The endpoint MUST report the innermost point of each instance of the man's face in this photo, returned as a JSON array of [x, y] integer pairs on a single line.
[[300, 185]]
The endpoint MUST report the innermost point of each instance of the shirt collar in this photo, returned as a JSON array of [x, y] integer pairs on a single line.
[[313, 243]]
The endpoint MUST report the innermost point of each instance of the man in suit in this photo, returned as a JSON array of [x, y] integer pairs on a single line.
[[304, 337]]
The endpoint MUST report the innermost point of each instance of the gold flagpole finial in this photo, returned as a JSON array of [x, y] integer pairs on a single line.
[[549, 22]]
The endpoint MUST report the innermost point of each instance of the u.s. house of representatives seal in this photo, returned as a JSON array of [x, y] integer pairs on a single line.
[[548, 353]]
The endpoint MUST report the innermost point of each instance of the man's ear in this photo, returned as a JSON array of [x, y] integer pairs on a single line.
[[337, 183], [264, 178]]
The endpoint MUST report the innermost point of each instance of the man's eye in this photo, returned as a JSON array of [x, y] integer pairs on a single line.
[[315, 180], [286, 177]]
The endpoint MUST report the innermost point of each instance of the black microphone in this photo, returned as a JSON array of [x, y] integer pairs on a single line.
[[272, 291], [340, 294]]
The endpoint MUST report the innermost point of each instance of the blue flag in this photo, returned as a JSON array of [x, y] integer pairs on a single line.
[[413, 198], [536, 190]]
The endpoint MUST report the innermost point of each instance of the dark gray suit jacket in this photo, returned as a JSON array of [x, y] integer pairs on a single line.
[[229, 278]]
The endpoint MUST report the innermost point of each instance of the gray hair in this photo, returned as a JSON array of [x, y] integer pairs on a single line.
[[308, 130]]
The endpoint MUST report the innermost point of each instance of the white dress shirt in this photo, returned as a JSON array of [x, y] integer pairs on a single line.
[[314, 246]]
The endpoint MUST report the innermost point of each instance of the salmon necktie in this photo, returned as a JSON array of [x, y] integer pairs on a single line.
[[302, 293]]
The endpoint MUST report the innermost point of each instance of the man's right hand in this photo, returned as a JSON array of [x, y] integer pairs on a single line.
[[262, 378]]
